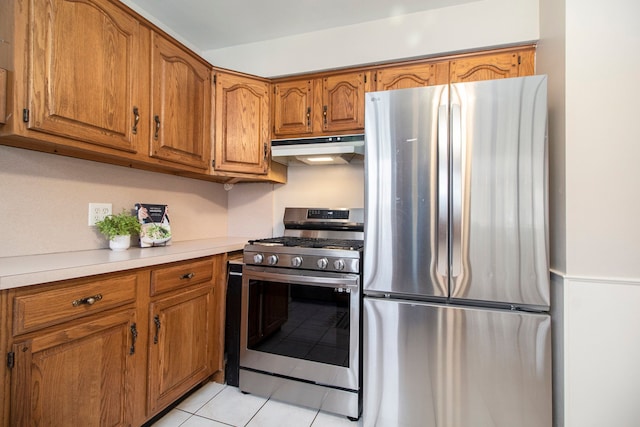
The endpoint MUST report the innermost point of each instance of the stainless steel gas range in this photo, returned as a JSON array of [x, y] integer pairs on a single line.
[[301, 311]]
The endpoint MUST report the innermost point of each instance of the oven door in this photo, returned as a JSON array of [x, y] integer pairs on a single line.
[[301, 325]]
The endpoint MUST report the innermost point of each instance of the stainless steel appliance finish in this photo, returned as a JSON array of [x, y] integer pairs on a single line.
[[300, 332], [456, 366], [455, 263], [341, 149]]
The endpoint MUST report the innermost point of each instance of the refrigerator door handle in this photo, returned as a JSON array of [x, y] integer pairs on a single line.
[[456, 190], [442, 234]]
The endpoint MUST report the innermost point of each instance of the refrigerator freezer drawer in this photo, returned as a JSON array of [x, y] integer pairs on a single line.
[[449, 366]]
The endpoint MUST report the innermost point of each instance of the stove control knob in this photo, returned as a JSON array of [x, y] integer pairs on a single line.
[[338, 264], [272, 259], [322, 263], [296, 261], [258, 258]]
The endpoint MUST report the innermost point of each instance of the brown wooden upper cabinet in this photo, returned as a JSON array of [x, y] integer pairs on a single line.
[[320, 105], [75, 89], [102, 84], [181, 99], [343, 102], [492, 66], [293, 103], [467, 68], [410, 76], [242, 141]]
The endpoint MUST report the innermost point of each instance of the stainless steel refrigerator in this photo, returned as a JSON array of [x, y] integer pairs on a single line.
[[457, 331]]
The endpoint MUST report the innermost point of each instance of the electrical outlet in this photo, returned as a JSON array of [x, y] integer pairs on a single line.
[[98, 212]]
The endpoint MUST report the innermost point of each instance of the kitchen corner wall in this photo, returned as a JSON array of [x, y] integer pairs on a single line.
[[44, 201], [467, 25], [585, 49], [256, 210]]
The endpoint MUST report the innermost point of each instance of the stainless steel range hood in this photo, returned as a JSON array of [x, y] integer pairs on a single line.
[[327, 150]]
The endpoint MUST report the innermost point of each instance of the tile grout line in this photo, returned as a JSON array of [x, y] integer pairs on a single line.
[[256, 413]]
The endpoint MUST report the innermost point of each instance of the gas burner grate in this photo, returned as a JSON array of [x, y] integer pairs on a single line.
[[308, 242]]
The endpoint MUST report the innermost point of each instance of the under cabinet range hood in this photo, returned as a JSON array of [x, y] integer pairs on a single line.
[[326, 150]]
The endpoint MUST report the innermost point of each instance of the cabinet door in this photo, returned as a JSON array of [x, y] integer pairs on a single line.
[[76, 375], [410, 76], [484, 67], [292, 108], [180, 344], [84, 72], [343, 102], [242, 124], [181, 105]]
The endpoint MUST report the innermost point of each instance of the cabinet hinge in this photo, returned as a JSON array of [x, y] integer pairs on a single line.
[[25, 115], [365, 78], [11, 359]]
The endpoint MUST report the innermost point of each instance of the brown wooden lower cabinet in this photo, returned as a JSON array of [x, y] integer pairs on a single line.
[[181, 347], [112, 357], [80, 375]]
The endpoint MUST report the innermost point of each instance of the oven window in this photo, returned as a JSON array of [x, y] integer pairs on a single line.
[[300, 321]]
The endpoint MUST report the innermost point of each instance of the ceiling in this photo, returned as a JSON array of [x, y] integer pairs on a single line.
[[216, 24]]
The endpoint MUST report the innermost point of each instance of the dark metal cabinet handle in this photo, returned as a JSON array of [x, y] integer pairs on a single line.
[[156, 320], [136, 119], [187, 276], [308, 116], [87, 300], [156, 119], [134, 337], [324, 114]]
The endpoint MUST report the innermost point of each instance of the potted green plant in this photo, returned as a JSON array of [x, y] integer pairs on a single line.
[[118, 229]]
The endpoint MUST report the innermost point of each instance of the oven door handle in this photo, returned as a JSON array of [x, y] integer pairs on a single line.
[[299, 279]]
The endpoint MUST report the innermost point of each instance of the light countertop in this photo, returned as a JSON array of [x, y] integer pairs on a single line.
[[33, 269]]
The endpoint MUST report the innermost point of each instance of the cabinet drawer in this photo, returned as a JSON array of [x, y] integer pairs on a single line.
[[180, 275], [35, 309]]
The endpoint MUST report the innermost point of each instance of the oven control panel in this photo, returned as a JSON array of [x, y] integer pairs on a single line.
[[349, 262]]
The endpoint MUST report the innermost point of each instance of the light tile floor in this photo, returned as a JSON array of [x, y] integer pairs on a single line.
[[221, 405]]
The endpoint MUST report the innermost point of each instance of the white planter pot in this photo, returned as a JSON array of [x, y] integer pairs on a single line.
[[120, 243]]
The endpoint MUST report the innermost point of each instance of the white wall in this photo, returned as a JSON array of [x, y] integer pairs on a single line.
[[588, 49], [467, 26], [602, 350], [256, 209], [603, 149], [550, 60], [44, 201]]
